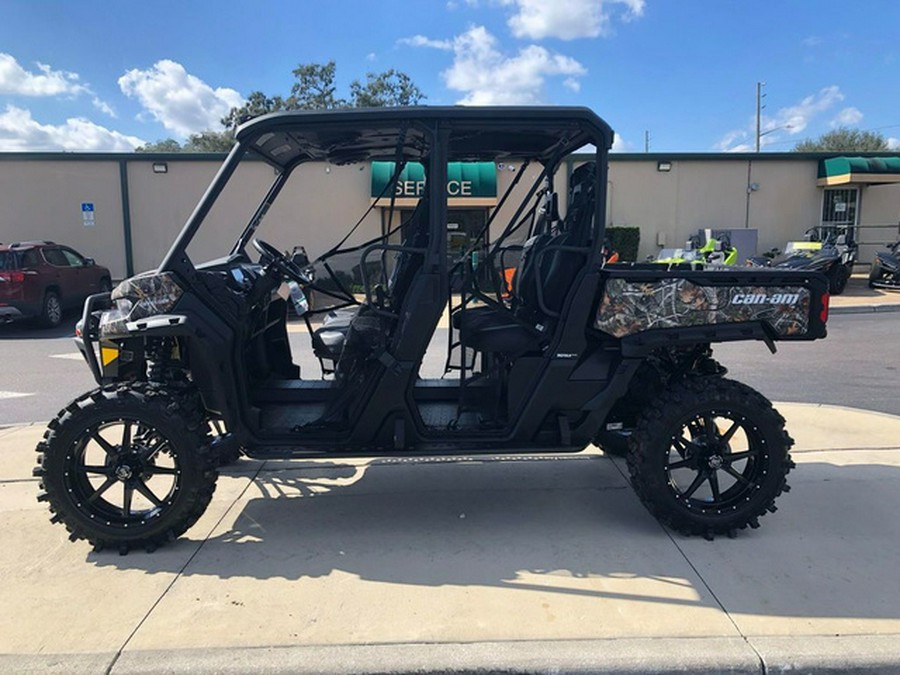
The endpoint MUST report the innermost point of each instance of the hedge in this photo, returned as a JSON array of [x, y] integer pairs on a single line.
[[625, 240]]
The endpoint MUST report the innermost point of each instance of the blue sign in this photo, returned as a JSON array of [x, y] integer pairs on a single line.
[[87, 206]]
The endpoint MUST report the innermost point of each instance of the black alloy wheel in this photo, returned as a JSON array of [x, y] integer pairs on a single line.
[[709, 456], [127, 467]]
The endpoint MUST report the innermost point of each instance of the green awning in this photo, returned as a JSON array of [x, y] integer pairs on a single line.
[[871, 170], [465, 180]]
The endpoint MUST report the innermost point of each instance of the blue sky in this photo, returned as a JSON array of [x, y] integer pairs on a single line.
[[98, 76]]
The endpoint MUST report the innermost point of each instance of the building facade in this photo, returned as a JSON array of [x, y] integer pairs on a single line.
[[124, 210]]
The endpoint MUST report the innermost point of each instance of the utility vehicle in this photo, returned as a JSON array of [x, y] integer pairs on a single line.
[[572, 352]]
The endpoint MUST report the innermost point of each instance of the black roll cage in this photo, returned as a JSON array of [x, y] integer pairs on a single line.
[[471, 128]]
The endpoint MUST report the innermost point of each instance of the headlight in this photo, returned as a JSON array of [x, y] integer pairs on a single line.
[[136, 298]]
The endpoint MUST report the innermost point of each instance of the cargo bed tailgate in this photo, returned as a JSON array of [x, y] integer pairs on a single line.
[[646, 306]]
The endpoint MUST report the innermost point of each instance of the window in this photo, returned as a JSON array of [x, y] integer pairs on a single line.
[[72, 258], [55, 257], [29, 259], [839, 206]]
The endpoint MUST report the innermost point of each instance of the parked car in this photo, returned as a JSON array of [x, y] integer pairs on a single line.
[[41, 279]]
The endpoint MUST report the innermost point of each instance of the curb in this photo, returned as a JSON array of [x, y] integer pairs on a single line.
[[864, 309], [813, 654]]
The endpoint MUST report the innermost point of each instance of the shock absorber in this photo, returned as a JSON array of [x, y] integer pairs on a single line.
[[162, 367]]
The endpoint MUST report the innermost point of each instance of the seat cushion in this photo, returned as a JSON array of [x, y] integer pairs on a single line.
[[485, 329], [328, 340]]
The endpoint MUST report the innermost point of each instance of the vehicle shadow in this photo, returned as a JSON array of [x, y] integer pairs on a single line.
[[29, 329], [567, 525]]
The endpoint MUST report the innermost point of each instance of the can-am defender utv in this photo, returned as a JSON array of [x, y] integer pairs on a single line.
[[547, 359]]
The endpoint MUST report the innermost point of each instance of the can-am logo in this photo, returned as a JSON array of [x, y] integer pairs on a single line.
[[763, 299]]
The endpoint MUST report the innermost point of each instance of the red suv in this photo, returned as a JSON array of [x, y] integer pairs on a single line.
[[42, 279]]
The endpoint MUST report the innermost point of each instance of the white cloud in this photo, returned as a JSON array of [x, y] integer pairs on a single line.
[[572, 84], [14, 79], [848, 117], [812, 41], [893, 143], [790, 120], [181, 102], [621, 145], [567, 19], [371, 56], [20, 132], [103, 107], [489, 77], [422, 41]]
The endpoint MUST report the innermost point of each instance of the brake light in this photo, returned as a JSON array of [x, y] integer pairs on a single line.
[[826, 298], [13, 277]]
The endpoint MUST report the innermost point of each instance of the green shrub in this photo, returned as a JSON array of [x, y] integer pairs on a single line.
[[625, 240]]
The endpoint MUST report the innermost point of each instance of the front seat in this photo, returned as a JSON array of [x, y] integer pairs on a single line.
[[329, 339]]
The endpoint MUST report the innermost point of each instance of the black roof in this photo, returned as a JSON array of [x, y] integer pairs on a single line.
[[475, 133]]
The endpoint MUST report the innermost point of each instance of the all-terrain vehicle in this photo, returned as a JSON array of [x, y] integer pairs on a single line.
[[568, 354], [827, 249]]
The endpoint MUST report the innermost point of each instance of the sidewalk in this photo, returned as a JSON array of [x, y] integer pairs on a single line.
[[858, 298], [536, 564]]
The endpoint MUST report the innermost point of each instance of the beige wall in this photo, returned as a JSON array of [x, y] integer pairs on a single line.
[[713, 194], [42, 200]]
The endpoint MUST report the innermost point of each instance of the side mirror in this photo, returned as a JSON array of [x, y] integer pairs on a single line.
[[88, 262]]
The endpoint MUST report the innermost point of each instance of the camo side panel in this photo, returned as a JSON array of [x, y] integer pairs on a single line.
[[632, 307], [157, 291]]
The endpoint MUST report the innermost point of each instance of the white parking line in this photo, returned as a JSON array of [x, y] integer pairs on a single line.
[[13, 394], [75, 356]]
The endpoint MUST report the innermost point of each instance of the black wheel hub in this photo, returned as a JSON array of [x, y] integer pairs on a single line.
[[705, 472], [146, 486]]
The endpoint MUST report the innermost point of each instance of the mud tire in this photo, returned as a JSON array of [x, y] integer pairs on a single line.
[[659, 437], [145, 408]]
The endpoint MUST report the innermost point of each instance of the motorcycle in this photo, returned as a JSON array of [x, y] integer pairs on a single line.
[[885, 272]]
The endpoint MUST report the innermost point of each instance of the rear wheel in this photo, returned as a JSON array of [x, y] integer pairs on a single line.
[[126, 468], [51, 310], [710, 456]]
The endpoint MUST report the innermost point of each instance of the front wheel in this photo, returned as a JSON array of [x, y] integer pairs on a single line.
[[710, 456], [838, 276], [126, 467]]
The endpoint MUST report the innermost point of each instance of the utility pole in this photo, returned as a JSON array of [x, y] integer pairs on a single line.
[[759, 107], [647, 141]]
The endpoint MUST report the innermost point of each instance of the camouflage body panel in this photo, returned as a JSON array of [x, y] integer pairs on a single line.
[[630, 307], [147, 294], [150, 287]]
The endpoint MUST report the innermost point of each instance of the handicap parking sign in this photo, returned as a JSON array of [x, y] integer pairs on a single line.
[[87, 214]]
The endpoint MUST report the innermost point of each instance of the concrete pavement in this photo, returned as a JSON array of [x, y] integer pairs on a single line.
[[536, 564]]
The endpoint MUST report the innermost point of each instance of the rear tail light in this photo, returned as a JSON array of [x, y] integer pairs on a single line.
[[13, 277], [826, 298]]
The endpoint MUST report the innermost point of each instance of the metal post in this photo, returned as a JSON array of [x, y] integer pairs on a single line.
[[759, 107]]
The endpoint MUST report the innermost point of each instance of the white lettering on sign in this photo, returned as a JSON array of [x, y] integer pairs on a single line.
[[416, 188]]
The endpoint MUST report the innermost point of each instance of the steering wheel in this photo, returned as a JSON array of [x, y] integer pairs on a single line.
[[272, 257]]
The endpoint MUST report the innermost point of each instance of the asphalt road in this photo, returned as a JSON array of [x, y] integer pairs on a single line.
[[41, 371]]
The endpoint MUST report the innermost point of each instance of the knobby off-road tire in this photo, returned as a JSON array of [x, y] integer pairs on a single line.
[[127, 467], [710, 456]]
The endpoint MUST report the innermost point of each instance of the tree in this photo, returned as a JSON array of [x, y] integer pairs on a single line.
[[314, 88], [210, 141], [844, 139], [390, 88], [166, 145]]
